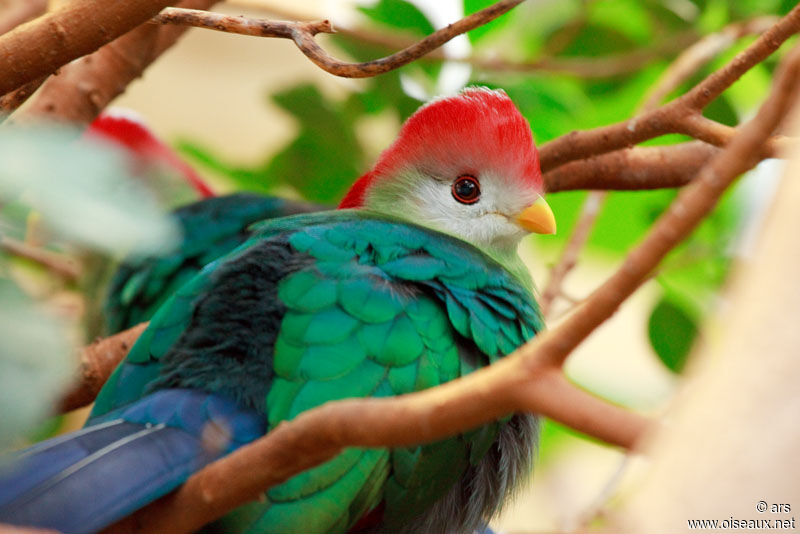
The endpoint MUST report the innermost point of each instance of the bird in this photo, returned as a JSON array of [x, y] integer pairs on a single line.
[[413, 282]]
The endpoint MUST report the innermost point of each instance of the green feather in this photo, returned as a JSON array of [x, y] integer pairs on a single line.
[[307, 291], [325, 362], [369, 300], [360, 382], [330, 325], [402, 345]]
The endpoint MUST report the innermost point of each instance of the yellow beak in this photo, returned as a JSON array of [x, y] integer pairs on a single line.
[[538, 218]]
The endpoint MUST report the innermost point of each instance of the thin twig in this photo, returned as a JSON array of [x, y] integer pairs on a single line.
[[303, 36], [59, 264], [585, 67], [238, 24], [569, 257]]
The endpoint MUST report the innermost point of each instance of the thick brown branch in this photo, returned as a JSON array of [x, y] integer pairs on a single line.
[[303, 36], [678, 116], [78, 28], [321, 433], [83, 88], [98, 361], [9, 102], [634, 168]]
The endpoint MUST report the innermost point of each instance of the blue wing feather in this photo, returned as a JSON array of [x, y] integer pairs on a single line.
[[84, 481]]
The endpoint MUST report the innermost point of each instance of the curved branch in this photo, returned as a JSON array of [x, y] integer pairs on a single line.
[[319, 434], [78, 28], [238, 24], [586, 67], [684, 214], [678, 116], [303, 36]]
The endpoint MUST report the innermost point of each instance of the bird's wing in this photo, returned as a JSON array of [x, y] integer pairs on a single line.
[[210, 228], [84, 481]]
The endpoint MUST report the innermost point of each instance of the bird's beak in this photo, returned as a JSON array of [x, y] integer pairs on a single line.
[[538, 218]]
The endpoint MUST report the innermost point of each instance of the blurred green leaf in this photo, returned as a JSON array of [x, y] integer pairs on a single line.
[[399, 14], [721, 110], [628, 17], [84, 189], [672, 328], [35, 363], [714, 16], [595, 40]]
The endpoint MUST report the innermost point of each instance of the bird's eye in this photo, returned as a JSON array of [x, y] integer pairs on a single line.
[[466, 189]]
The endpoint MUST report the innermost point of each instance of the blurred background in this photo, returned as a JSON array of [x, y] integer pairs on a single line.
[[253, 114]]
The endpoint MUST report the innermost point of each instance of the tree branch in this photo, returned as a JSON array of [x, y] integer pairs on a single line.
[[586, 67], [699, 54], [569, 257], [303, 36], [238, 24], [678, 116], [319, 434], [78, 28], [685, 213], [97, 362], [686, 64], [61, 265], [632, 169], [83, 88]]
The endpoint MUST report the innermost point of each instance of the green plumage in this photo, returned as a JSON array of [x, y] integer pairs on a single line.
[[357, 305], [210, 228]]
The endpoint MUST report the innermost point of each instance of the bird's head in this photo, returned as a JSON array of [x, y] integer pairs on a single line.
[[464, 165]]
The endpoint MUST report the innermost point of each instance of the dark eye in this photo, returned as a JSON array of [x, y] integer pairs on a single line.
[[466, 189]]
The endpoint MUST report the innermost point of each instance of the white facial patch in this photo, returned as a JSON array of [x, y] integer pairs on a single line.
[[487, 223]]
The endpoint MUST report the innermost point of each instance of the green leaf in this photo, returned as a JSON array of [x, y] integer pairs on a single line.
[[83, 189], [721, 110], [35, 363], [628, 17], [672, 328], [399, 14]]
